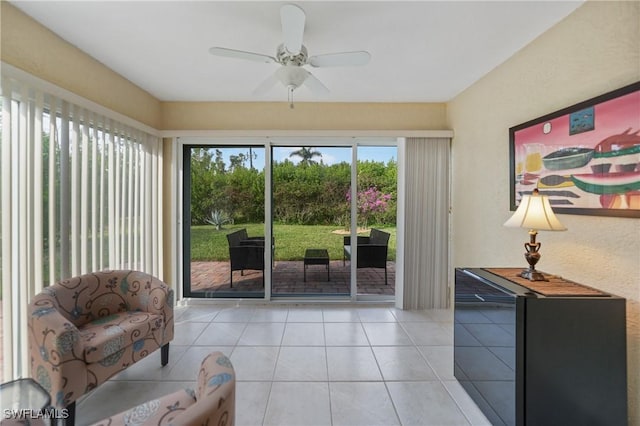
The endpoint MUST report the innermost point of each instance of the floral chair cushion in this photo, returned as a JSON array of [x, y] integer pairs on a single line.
[[106, 336], [161, 411]]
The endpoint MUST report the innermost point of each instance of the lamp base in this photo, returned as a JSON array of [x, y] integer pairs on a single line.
[[532, 275]]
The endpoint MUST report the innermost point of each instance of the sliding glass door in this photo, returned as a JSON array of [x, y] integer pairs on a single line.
[[331, 210], [224, 251], [377, 189], [310, 218]]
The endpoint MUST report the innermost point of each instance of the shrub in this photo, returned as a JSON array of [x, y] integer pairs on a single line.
[[218, 218]]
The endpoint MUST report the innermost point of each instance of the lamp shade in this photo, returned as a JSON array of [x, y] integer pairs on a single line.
[[535, 212]]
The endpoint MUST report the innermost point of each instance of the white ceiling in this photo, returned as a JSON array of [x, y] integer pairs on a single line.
[[422, 51]]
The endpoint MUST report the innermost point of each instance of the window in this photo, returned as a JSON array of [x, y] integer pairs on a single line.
[[79, 191]]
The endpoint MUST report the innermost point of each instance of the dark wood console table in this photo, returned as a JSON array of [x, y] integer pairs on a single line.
[[548, 354]]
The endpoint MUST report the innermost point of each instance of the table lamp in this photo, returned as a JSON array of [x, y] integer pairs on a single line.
[[535, 213]]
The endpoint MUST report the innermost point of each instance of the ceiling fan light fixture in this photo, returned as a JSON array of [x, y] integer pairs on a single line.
[[292, 56], [292, 76]]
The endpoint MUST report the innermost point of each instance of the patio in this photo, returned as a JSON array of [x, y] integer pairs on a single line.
[[288, 277]]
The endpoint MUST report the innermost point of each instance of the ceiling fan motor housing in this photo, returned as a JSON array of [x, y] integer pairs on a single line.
[[285, 57]]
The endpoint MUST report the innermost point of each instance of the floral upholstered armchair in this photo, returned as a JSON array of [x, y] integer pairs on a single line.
[[85, 329], [213, 403]]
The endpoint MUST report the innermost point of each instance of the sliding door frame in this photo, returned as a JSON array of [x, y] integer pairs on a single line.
[[267, 138]]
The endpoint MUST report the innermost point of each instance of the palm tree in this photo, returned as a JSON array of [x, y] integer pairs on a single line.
[[306, 156]]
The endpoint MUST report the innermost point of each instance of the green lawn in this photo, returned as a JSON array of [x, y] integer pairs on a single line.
[[290, 240]]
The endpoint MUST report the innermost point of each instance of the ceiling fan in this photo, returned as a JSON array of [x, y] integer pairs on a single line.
[[292, 56]]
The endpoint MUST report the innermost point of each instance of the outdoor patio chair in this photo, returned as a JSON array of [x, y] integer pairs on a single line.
[[372, 250], [245, 253]]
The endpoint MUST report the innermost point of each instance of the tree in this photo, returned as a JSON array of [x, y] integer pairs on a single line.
[[218, 164], [306, 156], [237, 161]]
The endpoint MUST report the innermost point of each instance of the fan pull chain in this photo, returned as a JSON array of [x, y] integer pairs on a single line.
[[290, 95]]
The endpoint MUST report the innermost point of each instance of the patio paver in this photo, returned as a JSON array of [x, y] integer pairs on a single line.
[[288, 277]]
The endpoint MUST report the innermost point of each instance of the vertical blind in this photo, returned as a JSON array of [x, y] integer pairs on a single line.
[[426, 245], [79, 192]]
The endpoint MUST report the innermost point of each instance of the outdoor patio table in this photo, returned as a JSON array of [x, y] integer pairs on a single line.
[[316, 257]]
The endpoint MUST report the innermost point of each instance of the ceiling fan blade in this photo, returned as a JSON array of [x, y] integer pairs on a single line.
[[241, 54], [292, 18], [266, 85], [340, 59], [315, 86]]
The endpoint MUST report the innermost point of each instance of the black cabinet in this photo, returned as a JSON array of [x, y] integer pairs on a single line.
[[530, 359]]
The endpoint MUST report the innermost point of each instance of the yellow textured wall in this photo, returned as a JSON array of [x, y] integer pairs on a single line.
[[31, 47], [305, 116], [593, 51]]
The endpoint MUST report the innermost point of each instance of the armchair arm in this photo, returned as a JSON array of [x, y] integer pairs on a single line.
[[215, 394], [56, 352], [52, 337], [147, 293]]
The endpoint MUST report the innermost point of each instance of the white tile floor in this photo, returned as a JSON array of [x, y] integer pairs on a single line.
[[308, 365]]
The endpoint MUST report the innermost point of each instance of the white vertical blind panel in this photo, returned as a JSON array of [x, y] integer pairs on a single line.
[[136, 207], [6, 192], [157, 207], [111, 206], [84, 196], [94, 195], [38, 237], [75, 192], [118, 199], [28, 212], [53, 141], [143, 208], [102, 199], [22, 278], [130, 222], [129, 200], [124, 149], [148, 263], [65, 196]]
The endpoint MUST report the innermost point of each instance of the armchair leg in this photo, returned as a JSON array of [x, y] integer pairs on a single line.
[[71, 411], [385, 275], [231, 279], [164, 354]]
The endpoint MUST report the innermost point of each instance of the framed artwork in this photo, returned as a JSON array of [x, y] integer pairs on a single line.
[[586, 157]]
